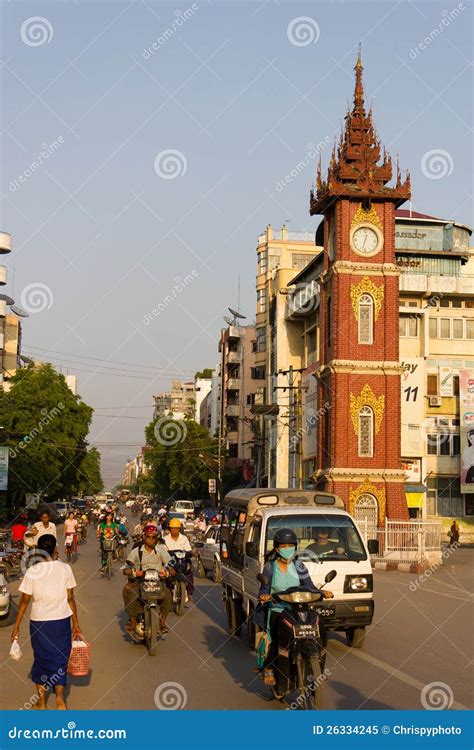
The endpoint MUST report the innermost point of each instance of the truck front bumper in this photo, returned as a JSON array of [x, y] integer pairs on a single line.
[[355, 613]]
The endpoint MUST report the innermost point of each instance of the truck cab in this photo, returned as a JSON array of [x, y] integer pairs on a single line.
[[328, 539]]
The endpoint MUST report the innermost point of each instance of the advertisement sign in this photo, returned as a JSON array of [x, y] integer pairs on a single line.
[[3, 468], [445, 381], [412, 406], [212, 486], [412, 469], [466, 413]]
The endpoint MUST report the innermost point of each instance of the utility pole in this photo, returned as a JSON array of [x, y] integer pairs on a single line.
[[295, 411]]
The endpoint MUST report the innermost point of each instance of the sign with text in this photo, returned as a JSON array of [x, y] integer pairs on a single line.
[[412, 406], [466, 413], [3, 468], [445, 381], [212, 486]]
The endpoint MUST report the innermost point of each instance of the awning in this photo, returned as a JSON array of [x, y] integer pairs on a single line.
[[415, 499], [415, 487]]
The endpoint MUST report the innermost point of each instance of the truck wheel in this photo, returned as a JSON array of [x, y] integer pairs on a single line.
[[235, 615], [216, 572], [355, 637]]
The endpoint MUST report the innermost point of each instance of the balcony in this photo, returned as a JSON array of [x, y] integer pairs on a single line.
[[232, 384], [3, 275], [232, 410], [232, 437], [302, 300], [233, 358], [234, 332], [5, 243], [411, 282]]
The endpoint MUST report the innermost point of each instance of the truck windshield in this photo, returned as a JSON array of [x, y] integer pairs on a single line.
[[320, 537]]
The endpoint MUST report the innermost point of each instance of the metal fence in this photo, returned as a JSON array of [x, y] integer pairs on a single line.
[[405, 541]]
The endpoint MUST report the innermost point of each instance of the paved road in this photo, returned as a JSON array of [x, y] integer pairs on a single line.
[[418, 637]]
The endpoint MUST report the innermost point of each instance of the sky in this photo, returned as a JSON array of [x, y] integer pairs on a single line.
[[145, 146]]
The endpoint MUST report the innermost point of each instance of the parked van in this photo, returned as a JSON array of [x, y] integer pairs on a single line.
[[328, 539]]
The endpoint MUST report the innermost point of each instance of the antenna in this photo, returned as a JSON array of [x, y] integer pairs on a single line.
[[19, 311], [5, 298], [229, 321], [236, 313]]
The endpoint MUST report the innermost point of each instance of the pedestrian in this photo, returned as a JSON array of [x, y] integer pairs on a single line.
[[453, 534], [71, 526], [43, 526], [50, 585]]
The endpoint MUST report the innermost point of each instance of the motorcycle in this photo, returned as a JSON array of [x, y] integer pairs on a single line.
[[147, 629], [82, 533], [69, 544], [301, 659], [181, 562], [122, 543]]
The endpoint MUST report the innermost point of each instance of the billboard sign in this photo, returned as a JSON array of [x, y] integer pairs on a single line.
[[466, 413], [412, 406]]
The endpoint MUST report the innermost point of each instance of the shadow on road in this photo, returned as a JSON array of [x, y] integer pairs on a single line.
[[350, 698]]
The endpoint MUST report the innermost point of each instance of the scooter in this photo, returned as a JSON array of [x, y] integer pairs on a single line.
[[182, 565], [122, 543], [147, 629], [301, 659]]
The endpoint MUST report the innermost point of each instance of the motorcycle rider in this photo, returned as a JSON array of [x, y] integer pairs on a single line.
[[148, 555], [107, 529], [175, 540], [281, 573]]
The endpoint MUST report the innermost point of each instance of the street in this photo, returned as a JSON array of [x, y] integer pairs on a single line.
[[420, 635]]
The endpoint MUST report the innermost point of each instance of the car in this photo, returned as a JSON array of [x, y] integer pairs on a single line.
[[183, 506], [62, 508], [208, 554], [5, 599], [80, 504]]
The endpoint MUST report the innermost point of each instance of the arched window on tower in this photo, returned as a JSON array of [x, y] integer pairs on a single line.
[[366, 319], [366, 432]]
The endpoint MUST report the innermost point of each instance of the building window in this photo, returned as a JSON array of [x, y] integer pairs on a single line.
[[433, 328], [261, 300], [470, 328], [444, 497], [300, 260], [233, 450], [366, 432], [250, 399], [432, 385], [262, 262], [458, 328], [442, 436], [273, 262], [257, 373], [408, 326], [261, 339], [366, 319]]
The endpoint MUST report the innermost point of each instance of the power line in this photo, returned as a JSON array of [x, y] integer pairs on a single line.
[[107, 361]]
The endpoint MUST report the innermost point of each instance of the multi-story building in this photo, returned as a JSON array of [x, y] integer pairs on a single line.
[[209, 410], [202, 387], [237, 387], [178, 402], [135, 469], [280, 254], [10, 325]]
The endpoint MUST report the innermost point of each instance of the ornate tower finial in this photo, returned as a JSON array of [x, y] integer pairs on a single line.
[[359, 86]]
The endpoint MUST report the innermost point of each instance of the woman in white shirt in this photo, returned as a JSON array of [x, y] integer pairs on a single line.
[[50, 585]]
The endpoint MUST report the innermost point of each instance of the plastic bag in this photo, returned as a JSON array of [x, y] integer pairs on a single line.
[[15, 651]]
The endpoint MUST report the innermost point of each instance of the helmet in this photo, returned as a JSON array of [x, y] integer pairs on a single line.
[[144, 517], [175, 523], [285, 536], [150, 528]]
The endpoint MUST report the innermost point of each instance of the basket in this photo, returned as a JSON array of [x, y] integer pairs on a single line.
[[78, 665], [108, 544]]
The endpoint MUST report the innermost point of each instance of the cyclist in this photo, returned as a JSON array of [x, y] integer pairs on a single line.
[[107, 529]]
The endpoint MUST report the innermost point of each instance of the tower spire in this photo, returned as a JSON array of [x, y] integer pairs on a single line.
[[359, 86]]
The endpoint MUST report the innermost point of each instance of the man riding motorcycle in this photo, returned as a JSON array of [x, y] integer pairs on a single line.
[[149, 555], [175, 540]]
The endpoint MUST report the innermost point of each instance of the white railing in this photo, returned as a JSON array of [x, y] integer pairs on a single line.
[[405, 541]]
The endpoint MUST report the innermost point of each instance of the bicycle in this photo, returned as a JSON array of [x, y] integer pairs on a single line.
[[108, 546]]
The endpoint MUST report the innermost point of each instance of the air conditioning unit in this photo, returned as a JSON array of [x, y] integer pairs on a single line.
[[436, 400]]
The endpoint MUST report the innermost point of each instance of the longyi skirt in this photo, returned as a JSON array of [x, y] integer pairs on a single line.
[[51, 642]]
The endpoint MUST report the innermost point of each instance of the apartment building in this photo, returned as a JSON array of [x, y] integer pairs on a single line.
[[10, 323], [178, 402]]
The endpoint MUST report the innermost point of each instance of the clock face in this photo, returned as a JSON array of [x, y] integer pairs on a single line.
[[366, 240]]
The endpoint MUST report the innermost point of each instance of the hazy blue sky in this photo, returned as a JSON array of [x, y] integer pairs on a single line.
[[228, 88]]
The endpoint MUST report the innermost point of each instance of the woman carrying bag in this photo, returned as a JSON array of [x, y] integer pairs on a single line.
[[50, 585]]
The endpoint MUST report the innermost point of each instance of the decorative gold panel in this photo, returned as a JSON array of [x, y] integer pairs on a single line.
[[362, 216], [368, 488], [367, 398], [367, 286]]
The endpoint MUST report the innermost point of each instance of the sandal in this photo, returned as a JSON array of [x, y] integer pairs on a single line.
[[269, 677], [164, 627]]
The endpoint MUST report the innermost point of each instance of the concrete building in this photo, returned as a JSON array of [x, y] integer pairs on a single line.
[[280, 254], [10, 325], [202, 387], [178, 402], [135, 469], [209, 410], [237, 387]]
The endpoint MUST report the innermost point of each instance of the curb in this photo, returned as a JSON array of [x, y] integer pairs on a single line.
[[415, 567]]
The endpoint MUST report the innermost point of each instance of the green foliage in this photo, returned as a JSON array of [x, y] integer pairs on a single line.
[[46, 426], [90, 480], [206, 373], [176, 465]]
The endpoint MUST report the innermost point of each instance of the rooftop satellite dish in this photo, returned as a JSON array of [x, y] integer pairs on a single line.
[[7, 299], [236, 314], [19, 311], [229, 321]]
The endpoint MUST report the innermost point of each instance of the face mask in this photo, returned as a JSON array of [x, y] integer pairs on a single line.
[[287, 552]]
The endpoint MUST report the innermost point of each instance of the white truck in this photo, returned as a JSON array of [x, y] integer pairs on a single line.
[[328, 539]]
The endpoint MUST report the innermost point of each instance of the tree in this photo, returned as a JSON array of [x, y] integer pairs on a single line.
[[174, 455], [206, 373], [45, 426], [89, 476]]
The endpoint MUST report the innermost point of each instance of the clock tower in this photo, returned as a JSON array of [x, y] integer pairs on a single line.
[[358, 452]]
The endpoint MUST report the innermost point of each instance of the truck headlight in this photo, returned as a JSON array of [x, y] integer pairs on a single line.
[[355, 584]]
